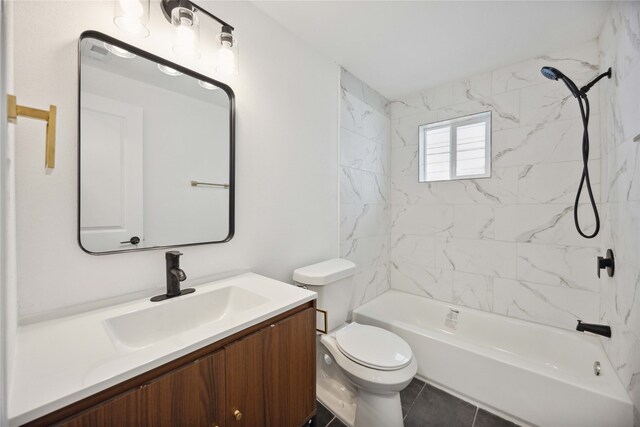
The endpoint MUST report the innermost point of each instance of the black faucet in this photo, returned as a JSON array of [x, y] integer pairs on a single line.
[[174, 276], [603, 330]]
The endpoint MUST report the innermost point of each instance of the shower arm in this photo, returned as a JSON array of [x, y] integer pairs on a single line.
[[584, 89]]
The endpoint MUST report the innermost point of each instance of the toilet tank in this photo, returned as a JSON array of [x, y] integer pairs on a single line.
[[333, 281]]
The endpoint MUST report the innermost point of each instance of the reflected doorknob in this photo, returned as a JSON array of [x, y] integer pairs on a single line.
[[134, 240], [237, 414]]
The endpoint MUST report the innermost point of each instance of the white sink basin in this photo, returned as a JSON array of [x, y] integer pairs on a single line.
[[141, 328]]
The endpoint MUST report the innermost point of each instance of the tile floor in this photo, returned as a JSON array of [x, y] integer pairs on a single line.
[[426, 406]]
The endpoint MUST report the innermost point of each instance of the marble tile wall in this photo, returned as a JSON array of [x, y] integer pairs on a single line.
[[620, 163], [365, 149], [505, 244]]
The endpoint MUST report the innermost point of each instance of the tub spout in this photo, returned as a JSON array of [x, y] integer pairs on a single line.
[[603, 330]]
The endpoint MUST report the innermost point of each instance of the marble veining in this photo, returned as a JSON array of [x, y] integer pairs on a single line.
[[619, 48], [507, 243], [365, 153]]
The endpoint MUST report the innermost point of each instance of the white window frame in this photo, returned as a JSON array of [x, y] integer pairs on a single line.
[[453, 125]]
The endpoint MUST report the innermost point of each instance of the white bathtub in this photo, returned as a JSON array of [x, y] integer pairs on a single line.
[[524, 371]]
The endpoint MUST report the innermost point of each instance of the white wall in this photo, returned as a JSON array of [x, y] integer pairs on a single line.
[[3, 284], [620, 122], [188, 141], [505, 244], [365, 141], [286, 157], [8, 282]]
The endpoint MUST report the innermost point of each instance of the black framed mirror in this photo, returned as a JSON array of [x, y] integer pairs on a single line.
[[156, 145]]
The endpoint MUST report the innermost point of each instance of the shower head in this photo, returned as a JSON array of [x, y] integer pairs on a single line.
[[555, 74], [551, 73]]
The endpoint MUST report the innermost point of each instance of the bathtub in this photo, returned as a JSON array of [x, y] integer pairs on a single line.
[[527, 372]]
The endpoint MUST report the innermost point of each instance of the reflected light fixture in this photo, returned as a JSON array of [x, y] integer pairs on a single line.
[[118, 51], [207, 85], [132, 17], [169, 71]]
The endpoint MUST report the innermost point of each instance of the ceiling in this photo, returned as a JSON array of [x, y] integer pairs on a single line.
[[401, 47]]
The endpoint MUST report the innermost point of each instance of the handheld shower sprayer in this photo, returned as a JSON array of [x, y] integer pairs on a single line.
[[581, 95], [555, 74]]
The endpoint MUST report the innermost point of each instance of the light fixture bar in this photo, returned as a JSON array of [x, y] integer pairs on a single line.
[[168, 5], [210, 15]]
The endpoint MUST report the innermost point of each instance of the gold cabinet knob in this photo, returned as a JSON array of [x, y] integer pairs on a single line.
[[237, 414]]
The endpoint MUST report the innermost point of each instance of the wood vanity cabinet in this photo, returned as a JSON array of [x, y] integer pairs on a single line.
[[261, 377], [189, 396], [276, 388]]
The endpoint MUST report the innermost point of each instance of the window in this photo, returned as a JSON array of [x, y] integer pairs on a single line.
[[456, 149]]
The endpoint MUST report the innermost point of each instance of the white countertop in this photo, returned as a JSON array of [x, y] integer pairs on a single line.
[[61, 361]]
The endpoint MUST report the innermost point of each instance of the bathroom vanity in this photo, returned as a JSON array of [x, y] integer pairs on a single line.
[[249, 362], [233, 352]]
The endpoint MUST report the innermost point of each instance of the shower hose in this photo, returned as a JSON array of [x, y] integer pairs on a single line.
[[584, 112]]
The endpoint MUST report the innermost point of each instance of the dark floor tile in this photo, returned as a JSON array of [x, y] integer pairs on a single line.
[[487, 419], [337, 423], [435, 408], [409, 394], [323, 415]]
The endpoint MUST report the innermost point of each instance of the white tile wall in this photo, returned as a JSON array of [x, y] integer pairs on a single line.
[[365, 152], [505, 244], [620, 163], [473, 290]]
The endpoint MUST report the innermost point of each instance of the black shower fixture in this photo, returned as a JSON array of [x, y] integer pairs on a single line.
[[583, 102]]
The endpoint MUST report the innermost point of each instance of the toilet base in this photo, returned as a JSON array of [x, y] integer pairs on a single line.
[[378, 410], [355, 406]]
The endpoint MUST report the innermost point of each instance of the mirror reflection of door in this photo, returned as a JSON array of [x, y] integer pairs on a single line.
[[112, 171], [147, 133]]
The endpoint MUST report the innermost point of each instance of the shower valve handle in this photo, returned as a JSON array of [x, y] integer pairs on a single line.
[[608, 263]]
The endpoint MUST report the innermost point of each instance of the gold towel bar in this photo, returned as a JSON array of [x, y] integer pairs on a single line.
[[208, 184], [14, 110]]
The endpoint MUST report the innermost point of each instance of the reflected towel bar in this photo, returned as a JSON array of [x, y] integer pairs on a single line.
[[208, 184], [14, 110]]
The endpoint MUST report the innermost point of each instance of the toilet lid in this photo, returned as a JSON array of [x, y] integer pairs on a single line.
[[374, 347]]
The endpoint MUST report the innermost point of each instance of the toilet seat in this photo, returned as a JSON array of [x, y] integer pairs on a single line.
[[373, 347]]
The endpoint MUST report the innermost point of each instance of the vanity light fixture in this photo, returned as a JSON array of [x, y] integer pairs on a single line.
[[227, 52], [132, 17], [187, 32], [183, 15], [169, 71], [118, 51]]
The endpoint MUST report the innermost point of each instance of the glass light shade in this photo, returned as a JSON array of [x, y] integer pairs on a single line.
[[227, 63], [132, 17], [207, 85], [118, 51], [169, 71], [187, 32]]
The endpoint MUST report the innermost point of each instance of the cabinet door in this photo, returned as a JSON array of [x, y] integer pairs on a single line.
[[290, 370], [124, 410], [245, 382], [190, 396]]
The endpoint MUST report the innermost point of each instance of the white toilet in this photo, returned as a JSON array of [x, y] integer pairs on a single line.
[[361, 368]]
